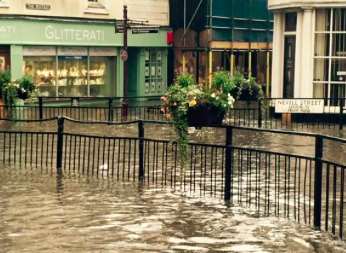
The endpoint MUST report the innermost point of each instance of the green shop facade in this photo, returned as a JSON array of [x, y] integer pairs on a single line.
[[81, 58]]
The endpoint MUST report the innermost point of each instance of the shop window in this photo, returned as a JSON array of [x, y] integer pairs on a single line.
[[72, 76], [330, 54], [101, 73], [43, 71], [92, 74], [153, 72]]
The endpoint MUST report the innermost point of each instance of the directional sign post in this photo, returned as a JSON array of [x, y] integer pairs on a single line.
[[137, 27]]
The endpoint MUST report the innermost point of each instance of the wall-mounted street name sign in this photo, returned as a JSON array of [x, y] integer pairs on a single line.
[[40, 7], [299, 106]]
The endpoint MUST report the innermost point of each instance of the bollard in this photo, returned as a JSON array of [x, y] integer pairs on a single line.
[[40, 107], [318, 181], [141, 173], [228, 164], [60, 145]]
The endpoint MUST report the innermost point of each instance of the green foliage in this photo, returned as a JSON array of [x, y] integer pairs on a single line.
[[14, 90], [185, 94], [222, 80], [5, 78], [185, 80], [10, 93], [246, 89]]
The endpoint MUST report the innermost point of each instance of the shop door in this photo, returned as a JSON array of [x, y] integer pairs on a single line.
[[289, 66], [4, 58]]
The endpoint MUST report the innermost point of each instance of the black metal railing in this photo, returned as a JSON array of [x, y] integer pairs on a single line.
[[261, 114], [308, 188]]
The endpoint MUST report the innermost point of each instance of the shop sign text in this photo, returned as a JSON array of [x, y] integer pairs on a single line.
[[69, 34], [7, 29], [39, 7], [299, 106]]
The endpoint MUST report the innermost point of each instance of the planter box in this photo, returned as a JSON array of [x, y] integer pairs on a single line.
[[205, 115]]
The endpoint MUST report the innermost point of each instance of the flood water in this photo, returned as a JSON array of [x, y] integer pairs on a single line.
[[39, 213]]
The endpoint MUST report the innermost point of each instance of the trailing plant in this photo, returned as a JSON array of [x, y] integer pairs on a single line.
[[10, 93], [185, 95]]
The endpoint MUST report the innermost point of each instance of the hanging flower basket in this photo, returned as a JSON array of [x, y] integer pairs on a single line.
[[205, 115]]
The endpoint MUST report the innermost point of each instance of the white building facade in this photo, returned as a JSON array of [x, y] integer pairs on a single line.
[[309, 48]]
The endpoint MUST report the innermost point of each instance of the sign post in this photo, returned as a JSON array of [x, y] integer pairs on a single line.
[[123, 27]]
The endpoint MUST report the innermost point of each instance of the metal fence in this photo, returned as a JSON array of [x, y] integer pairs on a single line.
[[260, 114], [307, 189]]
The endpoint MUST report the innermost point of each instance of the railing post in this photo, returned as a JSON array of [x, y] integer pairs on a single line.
[[110, 109], [318, 181], [259, 118], [60, 145], [40, 107], [228, 164], [141, 173], [341, 114]]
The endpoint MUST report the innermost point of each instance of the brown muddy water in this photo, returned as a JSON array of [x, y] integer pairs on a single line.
[[40, 213]]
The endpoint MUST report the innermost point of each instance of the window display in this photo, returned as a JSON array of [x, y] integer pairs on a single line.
[[72, 76], [153, 71], [66, 75], [42, 69]]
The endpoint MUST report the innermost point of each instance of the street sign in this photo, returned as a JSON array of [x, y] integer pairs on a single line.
[[124, 55], [299, 106]]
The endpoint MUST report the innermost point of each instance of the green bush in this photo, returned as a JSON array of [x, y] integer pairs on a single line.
[[5, 79]]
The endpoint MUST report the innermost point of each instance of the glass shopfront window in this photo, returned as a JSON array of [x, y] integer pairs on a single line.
[[101, 72], [72, 71], [153, 71], [43, 71], [72, 76], [330, 53]]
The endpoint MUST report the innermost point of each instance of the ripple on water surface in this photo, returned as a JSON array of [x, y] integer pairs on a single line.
[[40, 214]]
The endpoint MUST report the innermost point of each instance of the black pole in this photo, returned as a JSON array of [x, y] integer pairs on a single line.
[[124, 58], [318, 181], [259, 113], [40, 107], [60, 145], [110, 109], [141, 150], [228, 164], [341, 120]]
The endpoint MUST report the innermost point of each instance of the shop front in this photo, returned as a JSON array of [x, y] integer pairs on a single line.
[[75, 58], [309, 52]]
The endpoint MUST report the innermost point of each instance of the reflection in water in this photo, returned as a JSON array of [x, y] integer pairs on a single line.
[[45, 214]]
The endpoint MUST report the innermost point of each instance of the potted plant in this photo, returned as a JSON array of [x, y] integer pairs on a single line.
[[246, 89], [5, 78], [188, 104]]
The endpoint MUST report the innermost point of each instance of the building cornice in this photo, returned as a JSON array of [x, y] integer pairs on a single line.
[[304, 4]]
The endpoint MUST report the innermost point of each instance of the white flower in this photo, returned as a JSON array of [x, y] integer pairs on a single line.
[[213, 95]]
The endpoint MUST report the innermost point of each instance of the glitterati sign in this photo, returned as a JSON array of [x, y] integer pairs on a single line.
[[69, 34], [299, 106]]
